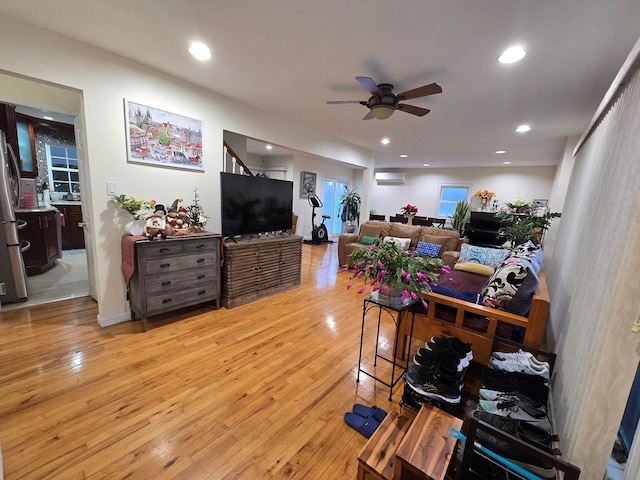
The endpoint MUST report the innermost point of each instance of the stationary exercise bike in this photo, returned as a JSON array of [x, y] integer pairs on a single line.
[[319, 233]]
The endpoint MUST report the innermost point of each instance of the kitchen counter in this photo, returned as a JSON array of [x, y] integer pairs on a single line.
[[66, 202], [40, 209]]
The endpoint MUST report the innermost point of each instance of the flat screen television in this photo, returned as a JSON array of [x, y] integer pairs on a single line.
[[253, 205]]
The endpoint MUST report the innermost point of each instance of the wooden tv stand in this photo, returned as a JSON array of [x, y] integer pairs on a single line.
[[261, 267]]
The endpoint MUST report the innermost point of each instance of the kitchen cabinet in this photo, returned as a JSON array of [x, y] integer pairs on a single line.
[[72, 230], [42, 232], [20, 135], [255, 269]]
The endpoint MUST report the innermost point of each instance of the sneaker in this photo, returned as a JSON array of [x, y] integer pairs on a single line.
[[454, 343], [427, 357], [527, 432], [513, 409], [429, 385], [519, 364], [532, 386], [520, 354], [444, 372], [494, 395]]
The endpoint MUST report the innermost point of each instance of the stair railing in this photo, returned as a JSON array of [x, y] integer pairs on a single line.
[[236, 162]]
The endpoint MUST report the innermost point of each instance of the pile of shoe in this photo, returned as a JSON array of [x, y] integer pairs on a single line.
[[514, 399], [438, 372]]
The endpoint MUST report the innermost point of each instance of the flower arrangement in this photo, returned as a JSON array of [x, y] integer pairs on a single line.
[[484, 194], [518, 204], [138, 209], [409, 209], [385, 266], [195, 213]]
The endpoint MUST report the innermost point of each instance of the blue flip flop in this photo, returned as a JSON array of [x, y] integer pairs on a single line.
[[365, 426], [365, 411]]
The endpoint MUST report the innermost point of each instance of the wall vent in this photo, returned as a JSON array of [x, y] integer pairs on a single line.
[[390, 177]]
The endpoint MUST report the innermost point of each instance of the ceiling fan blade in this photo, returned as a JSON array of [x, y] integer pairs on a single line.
[[339, 102], [369, 84], [413, 110], [423, 91], [369, 116]]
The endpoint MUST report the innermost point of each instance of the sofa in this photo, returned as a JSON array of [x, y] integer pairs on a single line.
[[490, 310], [449, 240]]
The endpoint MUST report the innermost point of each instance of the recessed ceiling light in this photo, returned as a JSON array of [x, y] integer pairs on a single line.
[[268, 147], [404, 156], [46, 117], [425, 164], [385, 141], [200, 51], [500, 152], [506, 163], [512, 54], [523, 128]]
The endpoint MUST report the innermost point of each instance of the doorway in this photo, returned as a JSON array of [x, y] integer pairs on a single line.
[[332, 190]]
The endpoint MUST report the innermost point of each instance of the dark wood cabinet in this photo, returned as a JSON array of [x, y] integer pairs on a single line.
[[41, 232], [255, 269], [484, 230], [72, 230]]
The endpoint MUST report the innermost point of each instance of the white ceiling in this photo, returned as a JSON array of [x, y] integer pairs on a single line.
[[290, 57]]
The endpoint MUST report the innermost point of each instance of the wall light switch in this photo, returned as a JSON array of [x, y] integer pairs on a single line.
[[111, 188]]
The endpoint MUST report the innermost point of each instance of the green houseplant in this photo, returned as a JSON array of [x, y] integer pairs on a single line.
[[386, 267], [350, 208], [525, 225], [460, 216]]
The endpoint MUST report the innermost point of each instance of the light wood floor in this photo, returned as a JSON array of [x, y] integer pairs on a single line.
[[258, 391]]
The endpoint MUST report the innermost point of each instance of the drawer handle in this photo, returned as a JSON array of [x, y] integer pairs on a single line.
[[200, 260], [200, 277], [202, 292], [166, 283], [165, 265], [164, 250], [257, 267], [166, 300], [202, 245]]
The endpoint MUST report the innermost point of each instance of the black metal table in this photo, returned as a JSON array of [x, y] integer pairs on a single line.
[[396, 311]]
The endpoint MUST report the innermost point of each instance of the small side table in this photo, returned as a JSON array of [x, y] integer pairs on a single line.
[[396, 312]]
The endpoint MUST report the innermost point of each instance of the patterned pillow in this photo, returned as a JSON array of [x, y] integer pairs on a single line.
[[403, 242], [531, 252], [428, 249], [485, 256], [367, 240], [505, 285]]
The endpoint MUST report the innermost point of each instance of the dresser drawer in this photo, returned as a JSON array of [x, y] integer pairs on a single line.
[[160, 249], [201, 245], [181, 262], [175, 299], [206, 276]]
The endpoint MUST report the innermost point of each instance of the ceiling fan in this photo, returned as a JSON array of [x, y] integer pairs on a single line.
[[383, 102]]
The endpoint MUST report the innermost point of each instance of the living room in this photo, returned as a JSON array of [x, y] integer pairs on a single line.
[[594, 316]]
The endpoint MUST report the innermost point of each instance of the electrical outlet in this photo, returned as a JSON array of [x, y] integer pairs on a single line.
[[111, 188], [3, 289]]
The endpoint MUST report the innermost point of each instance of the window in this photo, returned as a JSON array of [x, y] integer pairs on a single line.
[[63, 168], [449, 196]]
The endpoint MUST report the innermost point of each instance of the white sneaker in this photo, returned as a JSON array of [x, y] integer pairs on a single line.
[[520, 354], [520, 365]]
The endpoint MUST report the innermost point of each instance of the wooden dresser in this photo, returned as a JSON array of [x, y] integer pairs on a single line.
[[174, 273], [258, 268]]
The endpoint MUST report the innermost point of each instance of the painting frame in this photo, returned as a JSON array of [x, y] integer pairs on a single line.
[[307, 184], [539, 203], [161, 138]]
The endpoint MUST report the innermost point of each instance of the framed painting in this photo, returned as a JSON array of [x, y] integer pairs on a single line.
[[539, 202], [307, 184], [161, 138]]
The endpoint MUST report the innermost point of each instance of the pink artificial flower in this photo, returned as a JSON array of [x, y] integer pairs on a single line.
[[414, 295], [446, 269], [361, 291], [421, 276], [425, 304], [380, 265], [349, 285], [360, 275], [452, 281]]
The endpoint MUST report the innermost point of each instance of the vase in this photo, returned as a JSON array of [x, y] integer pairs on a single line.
[[409, 217], [390, 296], [135, 227], [483, 202]]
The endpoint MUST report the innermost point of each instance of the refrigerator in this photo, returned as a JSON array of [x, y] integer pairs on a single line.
[[13, 277]]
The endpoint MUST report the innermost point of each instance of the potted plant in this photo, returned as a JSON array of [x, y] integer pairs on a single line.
[[460, 216], [520, 226], [350, 208], [390, 270]]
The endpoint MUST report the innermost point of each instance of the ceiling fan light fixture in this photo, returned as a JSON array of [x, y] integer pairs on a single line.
[[382, 112]]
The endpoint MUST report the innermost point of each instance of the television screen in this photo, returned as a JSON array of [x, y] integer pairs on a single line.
[[254, 204]]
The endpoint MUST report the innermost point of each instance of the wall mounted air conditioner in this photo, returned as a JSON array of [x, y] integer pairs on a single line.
[[390, 177]]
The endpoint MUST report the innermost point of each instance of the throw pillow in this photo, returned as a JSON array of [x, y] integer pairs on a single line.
[[369, 231], [367, 240], [403, 242], [531, 252], [405, 231], [436, 240], [476, 268], [511, 276], [483, 255], [428, 249]]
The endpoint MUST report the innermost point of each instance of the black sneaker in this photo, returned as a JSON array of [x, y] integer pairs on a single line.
[[425, 356], [452, 343], [427, 384], [531, 434], [532, 386]]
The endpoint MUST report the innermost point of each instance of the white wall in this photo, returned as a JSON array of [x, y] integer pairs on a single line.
[[421, 187], [103, 81]]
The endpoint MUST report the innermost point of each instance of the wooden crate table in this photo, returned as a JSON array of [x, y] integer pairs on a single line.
[[427, 447], [377, 458]]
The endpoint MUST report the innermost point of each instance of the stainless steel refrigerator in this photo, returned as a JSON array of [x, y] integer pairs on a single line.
[[13, 277]]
